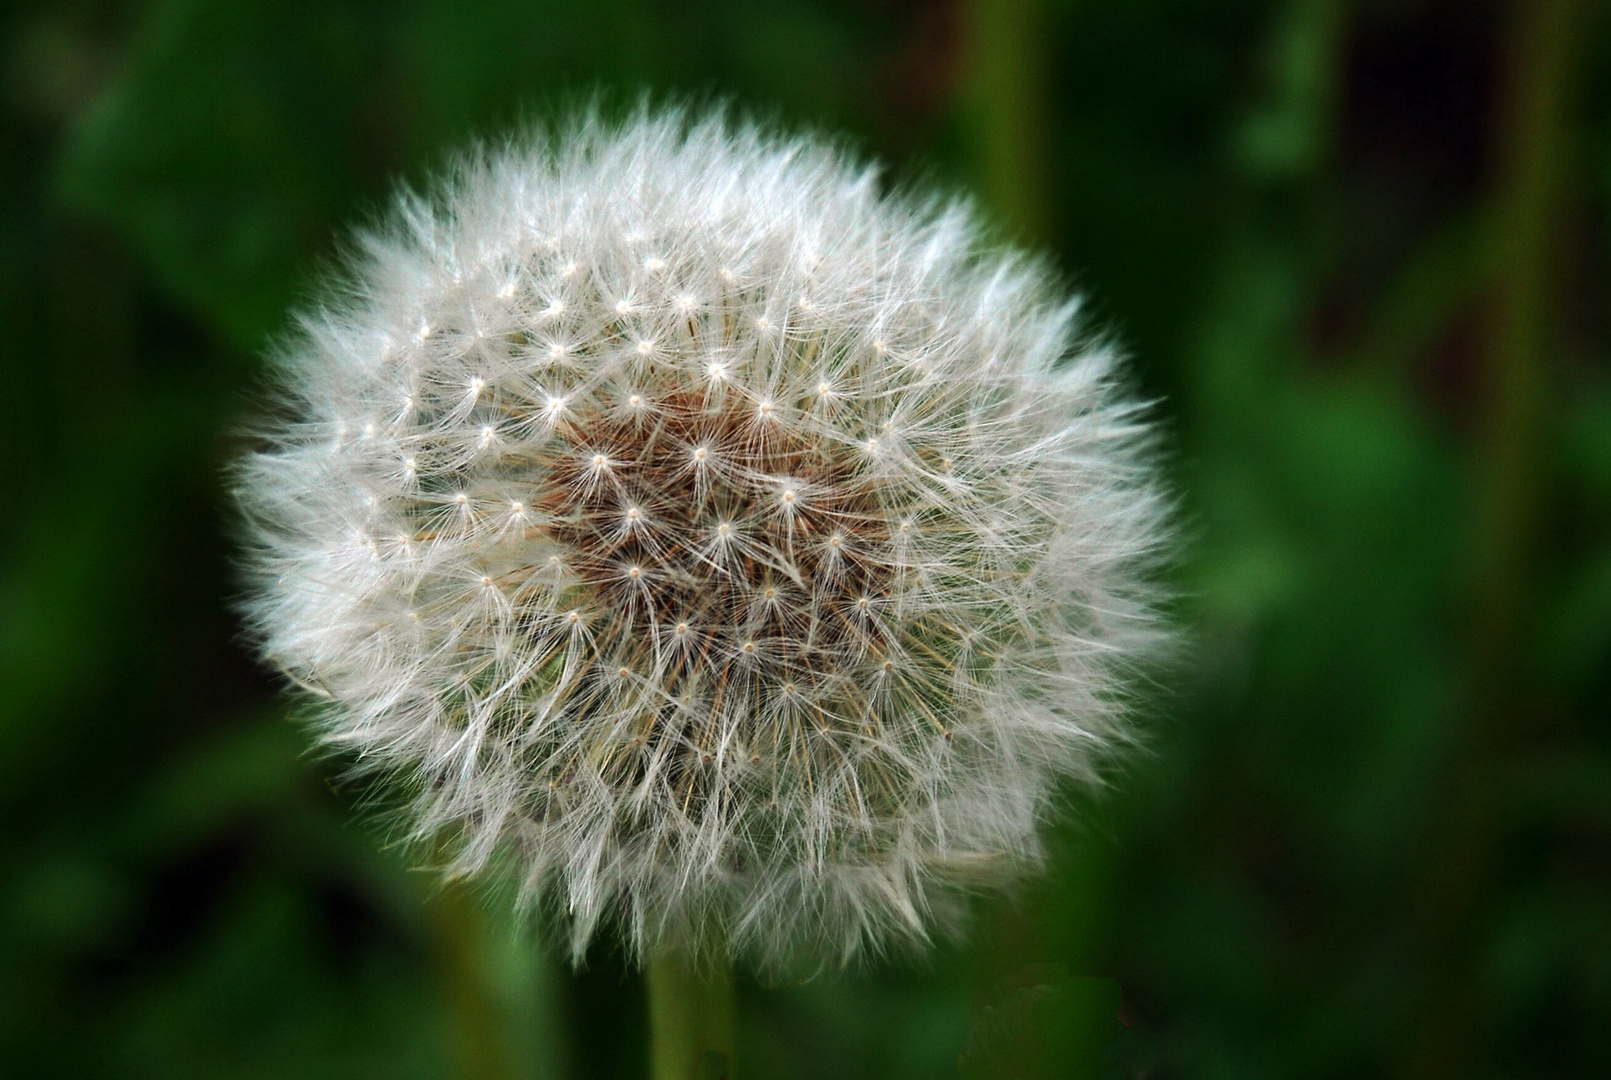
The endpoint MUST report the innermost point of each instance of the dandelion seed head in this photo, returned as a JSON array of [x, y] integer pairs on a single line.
[[912, 519]]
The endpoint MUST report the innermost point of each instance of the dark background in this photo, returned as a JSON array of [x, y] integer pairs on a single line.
[[1359, 250]]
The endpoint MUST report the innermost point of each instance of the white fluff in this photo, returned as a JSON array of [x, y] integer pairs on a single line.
[[739, 553]]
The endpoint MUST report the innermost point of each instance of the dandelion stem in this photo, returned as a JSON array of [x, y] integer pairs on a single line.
[[480, 1050], [690, 1019]]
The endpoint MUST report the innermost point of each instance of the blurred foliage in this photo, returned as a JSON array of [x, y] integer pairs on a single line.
[[1359, 251]]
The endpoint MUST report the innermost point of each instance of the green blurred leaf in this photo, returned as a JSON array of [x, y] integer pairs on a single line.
[[231, 140]]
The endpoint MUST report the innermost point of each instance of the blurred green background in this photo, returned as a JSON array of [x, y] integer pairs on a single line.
[[1360, 250]]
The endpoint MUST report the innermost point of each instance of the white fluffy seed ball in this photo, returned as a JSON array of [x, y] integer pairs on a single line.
[[736, 554]]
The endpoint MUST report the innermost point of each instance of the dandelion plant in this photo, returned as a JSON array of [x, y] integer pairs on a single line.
[[730, 552]]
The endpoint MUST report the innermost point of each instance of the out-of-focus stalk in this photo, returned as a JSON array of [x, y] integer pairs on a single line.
[[1003, 108], [1004, 98], [690, 1020], [480, 1047], [1533, 121]]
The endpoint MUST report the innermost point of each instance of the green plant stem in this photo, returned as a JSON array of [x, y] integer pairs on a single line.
[[690, 1020], [1004, 110], [1003, 107], [1450, 1038], [480, 1049]]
